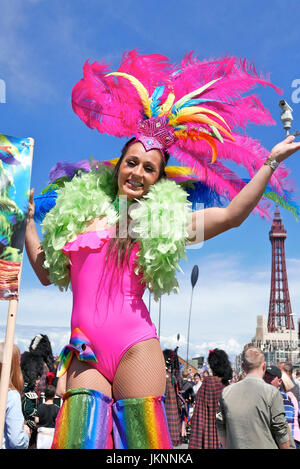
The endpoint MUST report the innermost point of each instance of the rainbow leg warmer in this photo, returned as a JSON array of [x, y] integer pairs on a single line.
[[84, 421], [140, 423]]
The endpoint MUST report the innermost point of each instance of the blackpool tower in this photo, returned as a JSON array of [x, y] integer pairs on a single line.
[[280, 311], [277, 336]]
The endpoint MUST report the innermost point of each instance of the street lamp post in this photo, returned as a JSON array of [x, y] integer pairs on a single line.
[[159, 317], [194, 278]]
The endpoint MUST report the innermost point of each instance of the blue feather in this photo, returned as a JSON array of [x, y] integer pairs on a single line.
[[200, 193], [158, 92], [176, 71], [156, 95], [43, 204], [195, 101], [284, 201]]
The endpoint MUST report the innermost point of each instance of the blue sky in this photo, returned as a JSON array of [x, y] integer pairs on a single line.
[[43, 47]]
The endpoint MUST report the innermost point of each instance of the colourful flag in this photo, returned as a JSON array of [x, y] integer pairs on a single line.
[[15, 173]]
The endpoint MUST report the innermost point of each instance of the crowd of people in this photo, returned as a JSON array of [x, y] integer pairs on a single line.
[[255, 408], [32, 401], [213, 409]]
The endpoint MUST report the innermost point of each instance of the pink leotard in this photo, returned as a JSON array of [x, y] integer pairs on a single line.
[[107, 301]]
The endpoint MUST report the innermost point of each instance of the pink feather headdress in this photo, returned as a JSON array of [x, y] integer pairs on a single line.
[[196, 110]]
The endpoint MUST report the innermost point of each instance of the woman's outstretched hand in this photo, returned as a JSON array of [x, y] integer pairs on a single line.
[[284, 149]]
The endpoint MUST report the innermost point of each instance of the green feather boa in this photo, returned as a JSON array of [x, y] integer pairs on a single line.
[[161, 238]]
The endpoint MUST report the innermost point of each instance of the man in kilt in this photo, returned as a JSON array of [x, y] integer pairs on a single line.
[[172, 397]]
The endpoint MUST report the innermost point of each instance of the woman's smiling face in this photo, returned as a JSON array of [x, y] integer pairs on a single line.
[[138, 170]]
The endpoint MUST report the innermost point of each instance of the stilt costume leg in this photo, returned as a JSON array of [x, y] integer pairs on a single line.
[[140, 423], [84, 421]]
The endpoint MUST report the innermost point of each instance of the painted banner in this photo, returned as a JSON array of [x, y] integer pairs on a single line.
[[15, 173]]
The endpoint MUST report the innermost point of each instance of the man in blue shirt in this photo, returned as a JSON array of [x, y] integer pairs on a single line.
[[273, 376]]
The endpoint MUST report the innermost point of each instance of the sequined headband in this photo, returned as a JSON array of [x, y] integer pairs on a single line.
[[155, 134]]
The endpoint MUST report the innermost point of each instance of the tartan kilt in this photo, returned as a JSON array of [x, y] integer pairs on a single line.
[[203, 423], [172, 413]]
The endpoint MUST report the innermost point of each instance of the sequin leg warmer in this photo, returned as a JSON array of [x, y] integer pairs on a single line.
[[84, 421], [140, 423]]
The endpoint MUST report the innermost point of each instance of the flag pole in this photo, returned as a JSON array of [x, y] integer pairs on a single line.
[[6, 361]]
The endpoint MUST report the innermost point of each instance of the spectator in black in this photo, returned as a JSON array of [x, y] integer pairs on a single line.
[[30, 401], [172, 402], [45, 419], [37, 364], [188, 395]]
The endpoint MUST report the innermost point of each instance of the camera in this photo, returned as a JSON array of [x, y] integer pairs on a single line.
[[285, 106], [286, 115]]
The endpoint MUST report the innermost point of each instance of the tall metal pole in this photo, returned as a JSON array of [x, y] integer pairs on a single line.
[[194, 278], [159, 317], [188, 337]]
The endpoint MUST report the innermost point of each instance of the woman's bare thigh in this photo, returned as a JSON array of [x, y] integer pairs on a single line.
[[141, 372], [82, 375]]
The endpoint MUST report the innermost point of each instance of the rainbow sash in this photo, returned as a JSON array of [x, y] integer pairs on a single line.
[[78, 345]]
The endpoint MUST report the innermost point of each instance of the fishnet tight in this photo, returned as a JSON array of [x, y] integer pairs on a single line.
[[141, 373]]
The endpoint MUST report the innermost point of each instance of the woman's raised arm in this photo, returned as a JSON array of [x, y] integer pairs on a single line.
[[213, 221], [33, 246]]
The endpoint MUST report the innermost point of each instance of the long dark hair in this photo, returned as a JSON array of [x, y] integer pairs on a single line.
[[220, 365], [121, 247]]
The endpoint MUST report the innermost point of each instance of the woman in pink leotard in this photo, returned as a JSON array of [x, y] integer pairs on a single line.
[[114, 302], [109, 317], [113, 368]]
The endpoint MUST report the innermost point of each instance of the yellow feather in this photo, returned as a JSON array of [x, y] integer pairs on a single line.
[[178, 171], [171, 171], [165, 108], [201, 136], [191, 95], [114, 161], [203, 110], [143, 93], [203, 119]]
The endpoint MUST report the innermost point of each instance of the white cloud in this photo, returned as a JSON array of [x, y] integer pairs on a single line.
[[41, 307], [58, 336], [226, 302], [231, 346]]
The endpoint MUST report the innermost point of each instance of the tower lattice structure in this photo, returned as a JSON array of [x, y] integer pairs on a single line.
[[280, 311]]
